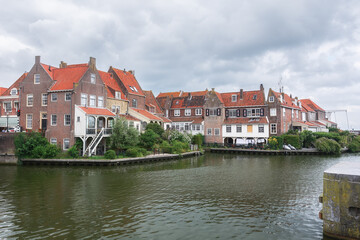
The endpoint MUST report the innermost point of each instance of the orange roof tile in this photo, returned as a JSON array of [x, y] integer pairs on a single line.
[[16, 85], [129, 117], [97, 111], [261, 120], [287, 101], [2, 90], [308, 103], [166, 120], [49, 69], [66, 77], [169, 94], [129, 81], [248, 99], [147, 114], [112, 85], [151, 100]]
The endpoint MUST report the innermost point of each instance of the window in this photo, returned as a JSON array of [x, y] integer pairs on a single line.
[[255, 97], [272, 112], [83, 99], [249, 128], [186, 126], [232, 112], [7, 106], [93, 78], [131, 124], [261, 128], [177, 112], [44, 99], [198, 111], [78, 119], [134, 103], [36, 78], [67, 96], [91, 122], [255, 112], [13, 91], [117, 95], [67, 120], [16, 105], [66, 144], [101, 101], [233, 98], [209, 131], [187, 112], [284, 112], [228, 128], [212, 112], [273, 128], [92, 102], [113, 108], [53, 141], [292, 113], [217, 131], [53, 120], [303, 115], [238, 128], [271, 99], [29, 118], [54, 97], [29, 100], [117, 110], [296, 113]]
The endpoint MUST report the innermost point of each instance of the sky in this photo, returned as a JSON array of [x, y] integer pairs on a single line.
[[191, 45]]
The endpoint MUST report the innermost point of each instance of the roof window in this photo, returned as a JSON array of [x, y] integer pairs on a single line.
[[254, 97]]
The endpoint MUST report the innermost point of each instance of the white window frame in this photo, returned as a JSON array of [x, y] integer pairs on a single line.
[[84, 97], [118, 95], [198, 111], [100, 101], [44, 97], [261, 127], [113, 108], [7, 109], [134, 103], [54, 97], [29, 126], [36, 78], [232, 113], [177, 112], [52, 123], [233, 98], [228, 128], [272, 112], [93, 78], [187, 112], [217, 131], [209, 131], [238, 127], [92, 101], [64, 146], [65, 123], [68, 94], [271, 128], [27, 100], [12, 91], [271, 99], [284, 112], [53, 141]]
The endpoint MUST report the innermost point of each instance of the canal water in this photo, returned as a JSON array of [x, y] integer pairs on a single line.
[[214, 196]]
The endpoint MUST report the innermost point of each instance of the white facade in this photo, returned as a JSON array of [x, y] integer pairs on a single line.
[[249, 133], [189, 127]]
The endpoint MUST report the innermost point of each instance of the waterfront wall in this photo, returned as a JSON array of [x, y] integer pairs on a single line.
[[8, 159], [7, 143], [341, 201]]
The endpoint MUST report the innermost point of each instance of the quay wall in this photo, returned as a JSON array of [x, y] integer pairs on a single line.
[[10, 159]]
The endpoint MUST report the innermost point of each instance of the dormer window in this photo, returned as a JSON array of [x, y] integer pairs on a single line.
[[254, 97], [271, 99], [134, 103], [233, 98], [135, 89], [93, 78], [117, 95], [13, 91]]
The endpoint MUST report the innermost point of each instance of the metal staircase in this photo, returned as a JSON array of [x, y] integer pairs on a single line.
[[94, 143]]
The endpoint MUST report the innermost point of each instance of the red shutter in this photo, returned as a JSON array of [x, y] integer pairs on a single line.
[[219, 111], [226, 113], [245, 113], [238, 112], [261, 112], [207, 112]]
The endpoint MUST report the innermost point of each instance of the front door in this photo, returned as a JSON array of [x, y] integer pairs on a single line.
[[43, 121]]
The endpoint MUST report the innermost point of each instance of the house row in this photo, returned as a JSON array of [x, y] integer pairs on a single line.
[[78, 101]]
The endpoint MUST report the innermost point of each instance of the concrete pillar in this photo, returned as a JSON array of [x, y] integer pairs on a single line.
[[341, 201]]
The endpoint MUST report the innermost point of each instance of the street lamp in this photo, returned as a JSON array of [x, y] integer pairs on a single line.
[[7, 122]]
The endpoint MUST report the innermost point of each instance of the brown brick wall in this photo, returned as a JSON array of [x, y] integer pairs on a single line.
[[213, 121]]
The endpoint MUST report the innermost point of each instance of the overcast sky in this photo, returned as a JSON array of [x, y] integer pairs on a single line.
[[314, 46]]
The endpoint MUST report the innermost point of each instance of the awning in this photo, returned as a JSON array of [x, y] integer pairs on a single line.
[[12, 122]]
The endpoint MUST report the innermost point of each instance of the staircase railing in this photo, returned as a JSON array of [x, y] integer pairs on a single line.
[[94, 143]]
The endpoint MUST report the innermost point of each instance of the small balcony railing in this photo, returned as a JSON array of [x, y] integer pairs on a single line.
[[107, 131], [91, 131]]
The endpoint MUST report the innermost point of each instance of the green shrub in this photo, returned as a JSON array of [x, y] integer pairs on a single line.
[[273, 143], [280, 140], [73, 152], [178, 136], [354, 147], [157, 128], [327, 145], [293, 140], [148, 139], [110, 154], [307, 138], [198, 139], [39, 151], [51, 151], [136, 152], [179, 147], [166, 147], [331, 135]]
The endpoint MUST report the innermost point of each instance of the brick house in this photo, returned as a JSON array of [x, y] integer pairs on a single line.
[[66, 103], [284, 111], [9, 105]]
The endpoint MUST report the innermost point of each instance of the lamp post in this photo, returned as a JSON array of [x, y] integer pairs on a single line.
[[7, 122]]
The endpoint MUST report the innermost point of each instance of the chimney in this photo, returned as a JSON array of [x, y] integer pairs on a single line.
[[261, 87], [37, 59], [181, 92], [189, 96], [212, 89], [63, 64], [241, 94], [283, 95], [92, 63], [290, 95]]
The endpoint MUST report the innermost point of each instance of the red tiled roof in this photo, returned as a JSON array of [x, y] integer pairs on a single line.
[[306, 108], [198, 93], [166, 120], [261, 120], [66, 77], [247, 100], [97, 111], [147, 114], [151, 100], [112, 85], [129, 81], [310, 104], [287, 101], [169, 94], [2, 90], [49, 69], [129, 117], [187, 119], [16, 84]]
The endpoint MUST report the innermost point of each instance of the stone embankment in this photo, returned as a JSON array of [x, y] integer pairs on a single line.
[[308, 151], [108, 162], [8, 159]]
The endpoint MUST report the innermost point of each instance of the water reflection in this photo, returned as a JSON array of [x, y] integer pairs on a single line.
[[208, 197]]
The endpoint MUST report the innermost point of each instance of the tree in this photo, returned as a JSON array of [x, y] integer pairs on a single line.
[[148, 139], [156, 128], [123, 136]]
